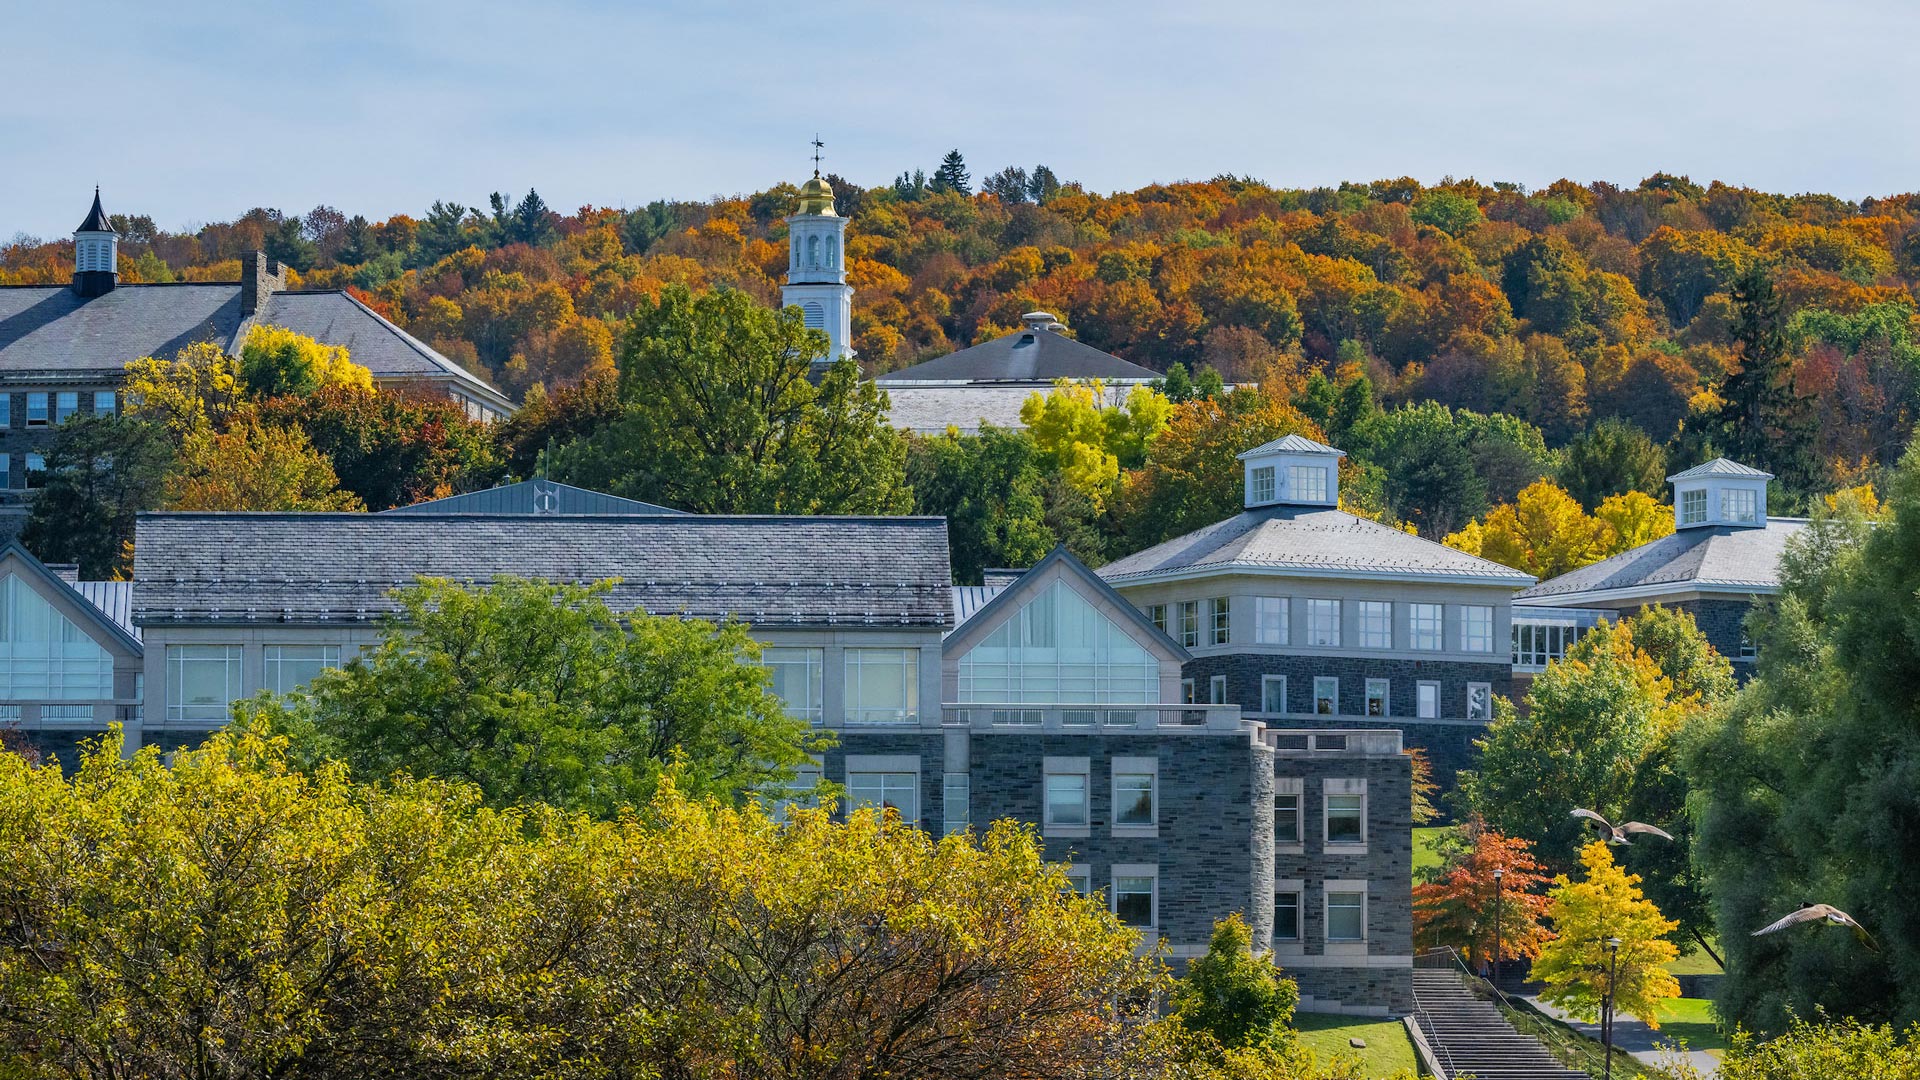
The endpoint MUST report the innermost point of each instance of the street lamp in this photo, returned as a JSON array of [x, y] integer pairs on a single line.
[[1606, 1016], [1499, 872]]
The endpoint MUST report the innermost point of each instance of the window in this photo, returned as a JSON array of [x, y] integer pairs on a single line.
[[37, 409], [1273, 693], [1066, 794], [1270, 620], [1323, 622], [1307, 483], [1693, 504], [1219, 620], [1427, 701], [1424, 625], [36, 470], [802, 791], [1476, 628], [1286, 916], [1080, 879], [1216, 689], [896, 791], [1263, 484], [6, 410], [1187, 692], [1747, 650], [1190, 623], [1739, 505], [1377, 697], [1326, 695], [202, 681], [1134, 781], [6, 469], [1286, 810], [1376, 624], [1536, 644], [1480, 701], [292, 667], [103, 402], [1346, 914], [1346, 812], [1059, 648], [956, 798], [45, 655], [1157, 615], [65, 404], [1133, 895], [795, 676], [883, 686]]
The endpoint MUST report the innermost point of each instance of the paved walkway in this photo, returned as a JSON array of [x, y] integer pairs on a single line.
[[1633, 1036]]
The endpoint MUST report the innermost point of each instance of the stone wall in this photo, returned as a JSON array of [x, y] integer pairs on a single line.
[[1721, 622]]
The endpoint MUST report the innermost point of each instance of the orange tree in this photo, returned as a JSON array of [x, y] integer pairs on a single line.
[[1458, 907]]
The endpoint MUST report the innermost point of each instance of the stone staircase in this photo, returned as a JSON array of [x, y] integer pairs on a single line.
[[1471, 1038]]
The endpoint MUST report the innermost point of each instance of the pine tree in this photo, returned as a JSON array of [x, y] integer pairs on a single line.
[[529, 224], [952, 175], [1009, 185], [1761, 422], [1042, 185]]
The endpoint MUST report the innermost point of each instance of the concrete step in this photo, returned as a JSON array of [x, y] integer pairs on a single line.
[[1472, 1038]]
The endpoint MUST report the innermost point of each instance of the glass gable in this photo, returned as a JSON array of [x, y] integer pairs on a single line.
[[44, 655], [1058, 648]]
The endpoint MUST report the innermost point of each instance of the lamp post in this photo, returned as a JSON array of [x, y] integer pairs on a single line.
[[1499, 872], [1606, 1016]]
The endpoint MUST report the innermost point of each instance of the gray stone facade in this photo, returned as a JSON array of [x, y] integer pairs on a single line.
[[1723, 622]]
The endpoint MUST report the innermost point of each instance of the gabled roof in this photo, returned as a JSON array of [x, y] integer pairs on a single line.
[[969, 599], [1292, 444], [1034, 354], [102, 621], [237, 568], [339, 318], [96, 218], [1308, 541], [1721, 467], [1022, 590], [1715, 558], [537, 496]]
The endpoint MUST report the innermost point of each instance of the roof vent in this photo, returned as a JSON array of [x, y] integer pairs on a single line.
[[1041, 320]]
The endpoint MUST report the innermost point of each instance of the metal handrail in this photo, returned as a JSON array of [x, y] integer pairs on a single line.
[[1454, 954]]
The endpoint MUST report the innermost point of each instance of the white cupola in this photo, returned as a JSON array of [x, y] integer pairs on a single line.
[[1721, 492], [1292, 471], [96, 253], [817, 267]]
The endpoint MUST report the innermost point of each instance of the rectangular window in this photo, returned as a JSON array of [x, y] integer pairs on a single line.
[[1190, 623], [1270, 620], [1273, 693], [37, 409], [1747, 649], [65, 404], [802, 791], [1134, 783], [1080, 879], [795, 677], [1286, 916], [1693, 504], [1424, 626], [1480, 701], [1326, 695], [1286, 817], [1157, 615], [1739, 505], [1133, 899], [1346, 915], [1219, 620], [883, 686], [1066, 797], [1427, 698], [1323, 622], [956, 802], [1263, 484], [202, 681], [6, 470], [292, 667], [1376, 624], [6, 410], [896, 791], [1346, 816], [1377, 697], [1216, 689], [104, 402], [36, 470], [1187, 692], [1307, 483], [1476, 628]]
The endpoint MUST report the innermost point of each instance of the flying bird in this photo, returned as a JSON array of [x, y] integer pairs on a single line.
[[1617, 834], [1810, 912]]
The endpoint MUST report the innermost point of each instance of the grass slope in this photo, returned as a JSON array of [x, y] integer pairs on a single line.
[[1690, 1020], [1389, 1051], [1426, 847]]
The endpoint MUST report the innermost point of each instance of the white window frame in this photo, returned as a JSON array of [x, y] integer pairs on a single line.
[[1189, 611], [1693, 506], [1307, 483], [178, 656], [1343, 789], [1385, 696], [1066, 768], [105, 401], [1216, 689], [1476, 628], [1739, 505], [956, 803], [1187, 692], [1319, 682], [274, 662], [1220, 620], [1320, 631], [1157, 615], [814, 662], [799, 791], [46, 408], [1376, 624], [1296, 890], [1080, 879], [6, 410], [909, 661], [1263, 491], [1270, 617], [1295, 788], [887, 767], [1487, 690], [1268, 684], [1149, 871], [1328, 890], [66, 405], [1426, 699], [1148, 767], [1427, 627]]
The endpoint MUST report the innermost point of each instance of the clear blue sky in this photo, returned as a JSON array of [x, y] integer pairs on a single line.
[[193, 112]]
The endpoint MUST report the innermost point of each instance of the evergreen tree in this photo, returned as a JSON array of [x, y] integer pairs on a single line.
[[642, 228], [1009, 185], [1613, 458], [529, 224], [1178, 385], [1042, 185], [1762, 422], [911, 187], [101, 471], [952, 175]]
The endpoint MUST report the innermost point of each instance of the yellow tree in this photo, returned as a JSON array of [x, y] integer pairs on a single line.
[[254, 466], [1543, 531], [1088, 443], [1577, 966], [1635, 518], [275, 360], [199, 388]]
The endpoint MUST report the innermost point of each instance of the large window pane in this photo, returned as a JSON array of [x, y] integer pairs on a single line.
[[1346, 916], [1060, 648], [1270, 620], [1066, 799], [202, 681], [1286, 916], [1346, 819], [794, 676], [1133, 799], [292, 667], [43, 654], [883, 686], [1133, 899], [1286, 819], [1323, 622], [896, 791], [1424, 626]]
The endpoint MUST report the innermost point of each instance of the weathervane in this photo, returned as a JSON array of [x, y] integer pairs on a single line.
[[817, 144]]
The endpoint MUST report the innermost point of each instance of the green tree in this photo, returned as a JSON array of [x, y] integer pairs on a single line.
[[952, 176], [1611, 458], [1233, 995], [1448, 211], [1428, 465], [992, 491], [533, 691], [1811, 1050], [1762, 421], [1577, 966], [719, 416], [101, 471], [391, 448]]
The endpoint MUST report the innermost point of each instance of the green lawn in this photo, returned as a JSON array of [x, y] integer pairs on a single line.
[[1697, 964], [1425, 851], [1389, 1051], [1690, 1020]]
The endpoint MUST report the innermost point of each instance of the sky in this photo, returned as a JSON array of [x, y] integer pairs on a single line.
[[194, 112]]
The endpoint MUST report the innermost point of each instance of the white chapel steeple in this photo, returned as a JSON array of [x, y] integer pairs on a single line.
[[817, 264]]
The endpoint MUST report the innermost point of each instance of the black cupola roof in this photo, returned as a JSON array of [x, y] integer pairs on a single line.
[[96, 217]]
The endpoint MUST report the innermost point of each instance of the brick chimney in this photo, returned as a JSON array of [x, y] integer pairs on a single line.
[[260, 277]]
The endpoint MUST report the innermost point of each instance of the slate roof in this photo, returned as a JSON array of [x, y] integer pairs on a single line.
[[930, 410], [1292, 444], [96, 217], [332, 568], [1309, 542], [1028, 355], [1721, 467], [336, 318], [1717, 558], [533, 497]]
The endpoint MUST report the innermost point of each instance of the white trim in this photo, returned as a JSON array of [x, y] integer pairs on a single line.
[[1327, 889], [1338, 787], [1146, 870], [1135, 766], [1512, 580], [1677, 590], [1066, 767]]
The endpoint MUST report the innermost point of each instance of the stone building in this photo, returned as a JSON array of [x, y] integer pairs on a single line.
[[1299, 612]]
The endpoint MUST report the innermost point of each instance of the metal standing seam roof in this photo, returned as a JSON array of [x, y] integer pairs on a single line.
[[334, 568], [113, 599], [537, 496], [1717, 557], [1291, 444], [1308, 540], [1026, 355], [1726, 467], [969, 599]]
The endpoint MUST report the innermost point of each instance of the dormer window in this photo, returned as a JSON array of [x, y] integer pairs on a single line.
[[1738, 506], [1263, 484], [1306, 483], [1693, 506]]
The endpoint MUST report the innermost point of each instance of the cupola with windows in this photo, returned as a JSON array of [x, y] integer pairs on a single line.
[[1292, 471], [96, 253], [817, 267], [1721, 492]]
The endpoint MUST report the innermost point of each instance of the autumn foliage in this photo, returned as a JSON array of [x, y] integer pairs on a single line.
[[1457, 908]]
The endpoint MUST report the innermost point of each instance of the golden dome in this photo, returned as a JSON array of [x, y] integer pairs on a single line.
[[816, 197]]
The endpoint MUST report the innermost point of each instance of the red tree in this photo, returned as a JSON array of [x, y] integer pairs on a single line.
[[1458, 908]]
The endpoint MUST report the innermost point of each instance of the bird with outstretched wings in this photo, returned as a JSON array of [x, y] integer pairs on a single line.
[[1618, 834], [1810, 912]]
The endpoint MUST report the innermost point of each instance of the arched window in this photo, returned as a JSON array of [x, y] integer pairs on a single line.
[[816, 315], [813, 251]]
